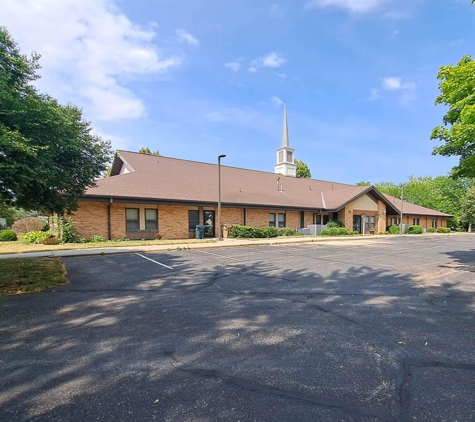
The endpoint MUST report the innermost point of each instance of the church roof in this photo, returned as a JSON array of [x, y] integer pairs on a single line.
[[174, 180]]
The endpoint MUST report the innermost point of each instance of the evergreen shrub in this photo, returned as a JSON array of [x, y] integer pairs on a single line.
[[7, 236]]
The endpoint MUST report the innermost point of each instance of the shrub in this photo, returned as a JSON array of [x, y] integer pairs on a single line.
[[8, 236], [335, 231], [51, 241], [36, 237], [430, 230], [334, 224], [68, 233], [28, 224], [97, 239], [248, 232], [460, 230], [443, 230], [415, 230], [394, 229]]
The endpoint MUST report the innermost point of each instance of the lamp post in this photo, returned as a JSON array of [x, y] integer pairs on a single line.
[[402, 207], [220, 234]]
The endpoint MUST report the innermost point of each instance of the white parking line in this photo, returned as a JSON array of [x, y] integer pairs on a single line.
[[156, 262], [221, 256]]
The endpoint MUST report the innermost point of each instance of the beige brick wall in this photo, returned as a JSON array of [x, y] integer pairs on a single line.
[[118, 220], [346, 216], [91, 219], [308, 218], [257, 218], [381, 223], [292, 219], [173, 221], [231, 216]]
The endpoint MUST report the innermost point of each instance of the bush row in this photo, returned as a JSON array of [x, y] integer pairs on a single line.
[[338, 231], [248, 232]]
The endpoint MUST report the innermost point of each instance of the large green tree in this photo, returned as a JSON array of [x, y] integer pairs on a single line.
[[48, 153], [302, 170], [457, 91], [441, 193], [468, 208]]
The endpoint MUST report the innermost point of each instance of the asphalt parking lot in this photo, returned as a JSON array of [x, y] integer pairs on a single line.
[[376, 330]]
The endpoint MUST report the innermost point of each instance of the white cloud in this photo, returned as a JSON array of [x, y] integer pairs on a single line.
[[272, 60], [276, 102], [395, 83], [354, 6], [185, 37], [89, 49], [234, 66]]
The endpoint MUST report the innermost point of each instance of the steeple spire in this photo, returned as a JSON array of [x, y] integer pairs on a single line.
[[285, 130], [285, 155]]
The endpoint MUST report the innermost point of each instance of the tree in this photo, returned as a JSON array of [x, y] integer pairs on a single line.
[[468, 208], [147, 151], [303, 171], [363, 183], [457, 89], [48, 155]]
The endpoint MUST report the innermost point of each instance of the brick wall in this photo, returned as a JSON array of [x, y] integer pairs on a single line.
[[292, 219], [231, 216], [91, 219], [258, 218], [381, 223], [173, 221]]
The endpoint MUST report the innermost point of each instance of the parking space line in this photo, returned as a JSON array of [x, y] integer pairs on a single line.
[[221, 256], [156, 262]]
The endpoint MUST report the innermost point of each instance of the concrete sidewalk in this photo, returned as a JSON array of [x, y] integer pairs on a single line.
[[170, 247]]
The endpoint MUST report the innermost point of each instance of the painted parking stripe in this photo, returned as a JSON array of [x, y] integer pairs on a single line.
[[221, 256], [156, 262]]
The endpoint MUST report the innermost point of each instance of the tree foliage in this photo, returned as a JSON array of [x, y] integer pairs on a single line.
[[468, 208], [457, 91], [48, 155], [146, 151], [441, 193], [303, 171]]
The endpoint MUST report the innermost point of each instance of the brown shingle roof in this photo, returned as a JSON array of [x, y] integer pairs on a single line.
[[413, 209], [175, 180]]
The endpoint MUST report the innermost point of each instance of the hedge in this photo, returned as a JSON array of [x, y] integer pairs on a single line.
[[443, 230], [248, 232], [337, 231]]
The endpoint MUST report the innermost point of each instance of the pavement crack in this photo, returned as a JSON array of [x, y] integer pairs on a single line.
[[244, 384], [403, 389]]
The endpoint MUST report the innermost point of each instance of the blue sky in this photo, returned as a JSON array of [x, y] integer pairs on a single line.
[[195, 79]]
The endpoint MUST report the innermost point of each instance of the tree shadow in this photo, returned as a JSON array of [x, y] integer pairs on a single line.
[[132, 340]]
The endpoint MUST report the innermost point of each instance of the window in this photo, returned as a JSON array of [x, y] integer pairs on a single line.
[[272, 219], [434, 223], [289, 157], [281, 220], [193, 219], [372, 222], [151, 219], [326, 219], [396, 221], [415, 222], [317, 218], [132, 221]]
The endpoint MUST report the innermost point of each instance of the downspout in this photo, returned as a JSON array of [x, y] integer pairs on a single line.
[[109, 229]]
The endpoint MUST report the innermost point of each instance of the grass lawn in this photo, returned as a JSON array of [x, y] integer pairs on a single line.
[[30, 275], [20, 247]]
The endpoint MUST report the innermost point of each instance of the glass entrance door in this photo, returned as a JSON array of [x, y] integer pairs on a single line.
[[357, 223], [209, 223]]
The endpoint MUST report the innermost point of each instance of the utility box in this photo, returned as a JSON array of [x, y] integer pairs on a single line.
[[199, 232]]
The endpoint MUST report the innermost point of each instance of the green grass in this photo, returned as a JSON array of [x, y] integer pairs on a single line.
[[30, 275]]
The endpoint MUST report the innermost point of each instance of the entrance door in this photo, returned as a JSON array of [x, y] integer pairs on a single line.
[[209, 223], [357, 223]]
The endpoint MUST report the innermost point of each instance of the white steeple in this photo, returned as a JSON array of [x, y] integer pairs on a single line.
[[285, 155]]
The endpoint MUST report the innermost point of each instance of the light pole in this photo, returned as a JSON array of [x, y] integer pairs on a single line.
[[220, 234]]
